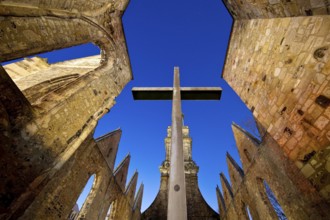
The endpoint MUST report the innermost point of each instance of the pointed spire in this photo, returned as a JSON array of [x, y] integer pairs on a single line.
[[221, 202], [248, 134], [226, 189], [108, 145], [236, 173], [233, 162], [138, 198], [131, 187], [121, 172], [247, 145]]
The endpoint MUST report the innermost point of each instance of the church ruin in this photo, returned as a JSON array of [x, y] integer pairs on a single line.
[[277, 62], [47, 121]]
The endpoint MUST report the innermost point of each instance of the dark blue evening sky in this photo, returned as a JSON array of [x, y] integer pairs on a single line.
[[191, 34]]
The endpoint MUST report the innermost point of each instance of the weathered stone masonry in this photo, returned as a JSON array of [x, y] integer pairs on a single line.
[[264, 161], [278, 63], [260, 9], [94, 157], [48, 126]]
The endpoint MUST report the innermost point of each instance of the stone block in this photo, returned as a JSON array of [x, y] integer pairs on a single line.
[[307, 170]]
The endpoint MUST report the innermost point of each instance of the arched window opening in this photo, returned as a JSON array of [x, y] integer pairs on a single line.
[[86, 192], [272, 199], [108, 216], [70, 53], [248, 212], [245, 211], [269, 200], [113, 215], [247, 155]]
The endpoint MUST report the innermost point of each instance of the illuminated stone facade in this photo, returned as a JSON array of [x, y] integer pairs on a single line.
[[278, 62], [279, 66]]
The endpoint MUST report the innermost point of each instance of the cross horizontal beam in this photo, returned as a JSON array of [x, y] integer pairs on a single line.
[[187, 93]]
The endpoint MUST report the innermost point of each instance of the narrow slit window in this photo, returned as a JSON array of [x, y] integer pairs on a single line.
[[108, 216], [248, 212], [272, 199]]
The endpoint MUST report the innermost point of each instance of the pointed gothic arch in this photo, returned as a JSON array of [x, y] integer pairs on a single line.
[[248, 213], [244, 211], [115, 207], [86, 193], [110, 211]]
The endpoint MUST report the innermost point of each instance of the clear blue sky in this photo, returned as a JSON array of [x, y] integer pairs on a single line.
[[191, 34]]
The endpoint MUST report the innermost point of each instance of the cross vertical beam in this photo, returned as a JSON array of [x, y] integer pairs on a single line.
[[177, 205]]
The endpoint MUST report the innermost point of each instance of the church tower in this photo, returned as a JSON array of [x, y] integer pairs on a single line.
[[197, 207]]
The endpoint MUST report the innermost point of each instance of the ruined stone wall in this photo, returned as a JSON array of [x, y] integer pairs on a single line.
[[31, 27], [125, 207], [248, 9], [138, 204], [41, 132], [26, 67], [31, 35], [36, 78], [280, 68], [59, 196], [265, 161], [53, 136], [70, 5]]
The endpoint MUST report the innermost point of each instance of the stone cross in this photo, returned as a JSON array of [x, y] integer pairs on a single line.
[[177, 207]]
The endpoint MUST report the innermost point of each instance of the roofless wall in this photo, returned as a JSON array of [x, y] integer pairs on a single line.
[[278, 63]]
